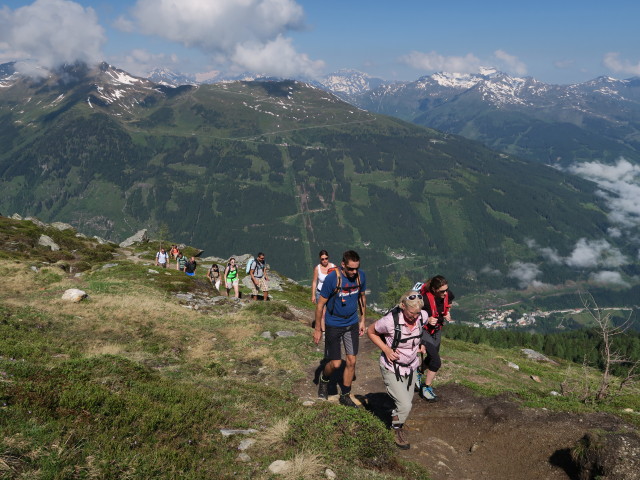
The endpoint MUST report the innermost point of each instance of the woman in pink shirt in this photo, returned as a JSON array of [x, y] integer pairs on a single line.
[[399, 356]]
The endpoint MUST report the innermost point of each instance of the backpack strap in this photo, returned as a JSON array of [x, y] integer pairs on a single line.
[[336, 290], [397, 340], [397, 328]]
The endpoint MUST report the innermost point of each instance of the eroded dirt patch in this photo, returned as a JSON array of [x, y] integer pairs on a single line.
[[466, 437]]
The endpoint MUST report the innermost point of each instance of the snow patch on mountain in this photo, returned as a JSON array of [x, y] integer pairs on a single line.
[[350, 82]]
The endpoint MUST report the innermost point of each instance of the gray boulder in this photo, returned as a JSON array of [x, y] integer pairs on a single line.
[[47, 241], [139, 237], [36, 222], [74, 295], [539, 357], [61, 226]]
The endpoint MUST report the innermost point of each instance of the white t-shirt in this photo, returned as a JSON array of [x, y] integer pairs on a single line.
[[162, 257]]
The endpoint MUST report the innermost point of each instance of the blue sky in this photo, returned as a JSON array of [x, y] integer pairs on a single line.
[[556, 42]]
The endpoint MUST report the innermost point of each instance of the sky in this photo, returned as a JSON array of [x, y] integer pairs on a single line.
[[559, 42]]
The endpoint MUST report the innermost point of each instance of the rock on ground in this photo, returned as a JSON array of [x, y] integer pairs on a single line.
[[47, 241], [74, 295], [139, 237]]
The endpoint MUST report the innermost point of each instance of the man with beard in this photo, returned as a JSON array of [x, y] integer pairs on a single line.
[[343, 294]]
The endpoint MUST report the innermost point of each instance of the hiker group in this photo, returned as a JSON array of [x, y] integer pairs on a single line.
[[412, 327], [256, 268], [408, 336]]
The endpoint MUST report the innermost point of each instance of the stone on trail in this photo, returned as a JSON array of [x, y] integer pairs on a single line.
[[74, 295], [246, 443], [229, 431], [280, 466]]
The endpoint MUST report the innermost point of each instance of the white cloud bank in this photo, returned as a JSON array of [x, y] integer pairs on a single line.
[[619, 186], [49, 33], [246, 34], [585, 254], [435, 62], [613, 62], [526, 275], [607, 277]]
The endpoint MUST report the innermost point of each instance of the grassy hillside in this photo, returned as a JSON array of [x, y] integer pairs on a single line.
[[286, 169], [131, 383]]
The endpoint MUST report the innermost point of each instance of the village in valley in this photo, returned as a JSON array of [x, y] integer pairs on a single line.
[[497, 319]]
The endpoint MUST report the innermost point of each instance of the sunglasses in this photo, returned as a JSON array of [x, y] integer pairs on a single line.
[[324, 258], [443, 291], [414, 296], [351, 269]]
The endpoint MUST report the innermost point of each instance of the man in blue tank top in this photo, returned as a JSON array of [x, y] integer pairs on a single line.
[[343, 293]]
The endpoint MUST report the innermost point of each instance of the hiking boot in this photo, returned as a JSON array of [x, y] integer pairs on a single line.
[[428, 393], [401, 438], [345, 399], [323, 389]]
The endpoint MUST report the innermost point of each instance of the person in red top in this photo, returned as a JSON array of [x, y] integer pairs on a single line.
[[437, 303]]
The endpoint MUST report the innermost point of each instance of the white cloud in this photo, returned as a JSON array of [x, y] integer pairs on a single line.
[[607, 277], [432, 61], [140, 62], [435, 62], [619, 185], [550, 254], [613, 62], [278, 57], [49, 33], [124, 24], [595, 253], [510, 63], [488, 270], [564, 63], [526, 274], [249, 34]]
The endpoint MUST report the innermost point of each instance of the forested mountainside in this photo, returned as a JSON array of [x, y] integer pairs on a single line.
[[287, 169]]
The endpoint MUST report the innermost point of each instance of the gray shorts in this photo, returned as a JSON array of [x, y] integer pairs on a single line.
[[349, 336]]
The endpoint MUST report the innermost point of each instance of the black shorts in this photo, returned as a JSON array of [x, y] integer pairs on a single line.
[[350, 336]]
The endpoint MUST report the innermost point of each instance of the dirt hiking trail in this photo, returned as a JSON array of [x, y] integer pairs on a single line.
[[465, 437]]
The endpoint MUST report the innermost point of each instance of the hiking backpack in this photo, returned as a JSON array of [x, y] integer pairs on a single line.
[[397, 340], [249, 266], [334, 294]]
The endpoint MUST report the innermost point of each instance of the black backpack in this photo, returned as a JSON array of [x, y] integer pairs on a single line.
[[397, 340]]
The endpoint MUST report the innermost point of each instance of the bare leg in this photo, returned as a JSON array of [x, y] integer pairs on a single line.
[[349, 371], [429, 376]]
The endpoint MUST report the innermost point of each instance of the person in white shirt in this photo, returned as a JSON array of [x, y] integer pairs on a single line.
[[162, 258]]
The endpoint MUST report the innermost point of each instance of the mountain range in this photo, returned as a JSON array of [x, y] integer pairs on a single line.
[[598, 120], [286, 168]]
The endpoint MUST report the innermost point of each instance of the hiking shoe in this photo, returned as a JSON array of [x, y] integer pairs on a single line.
[[401, 438], [323, 389], [428, 393], [419, 381], [345, 399]]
